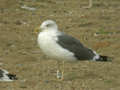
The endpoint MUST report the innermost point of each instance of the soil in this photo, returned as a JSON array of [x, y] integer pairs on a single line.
[[97, 27]]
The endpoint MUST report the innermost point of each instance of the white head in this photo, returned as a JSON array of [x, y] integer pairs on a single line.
[[48, 25]]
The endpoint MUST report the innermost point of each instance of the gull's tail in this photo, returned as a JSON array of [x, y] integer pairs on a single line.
[[6, 76], [104, 58], [101, 58]]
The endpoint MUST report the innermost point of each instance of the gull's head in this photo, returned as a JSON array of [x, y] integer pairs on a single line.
[[47, 26]]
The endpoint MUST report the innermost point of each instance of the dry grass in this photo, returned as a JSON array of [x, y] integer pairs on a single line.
[[20, 54]]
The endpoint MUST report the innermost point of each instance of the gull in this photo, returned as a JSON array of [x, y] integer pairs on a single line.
[[6, 76], [63, 47]]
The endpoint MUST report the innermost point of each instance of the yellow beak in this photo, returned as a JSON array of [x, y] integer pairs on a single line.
[[36, 31]]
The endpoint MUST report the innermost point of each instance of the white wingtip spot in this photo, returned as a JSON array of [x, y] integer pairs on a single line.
[[96, 56]]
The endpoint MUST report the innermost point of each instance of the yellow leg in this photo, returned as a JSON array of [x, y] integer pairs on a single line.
[[63, 70], [60, 71], [59, 75]]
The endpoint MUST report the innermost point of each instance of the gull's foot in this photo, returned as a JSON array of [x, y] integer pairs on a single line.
[[60, 75]]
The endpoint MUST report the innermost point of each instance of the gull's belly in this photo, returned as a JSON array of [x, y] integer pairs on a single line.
[[52, 49]]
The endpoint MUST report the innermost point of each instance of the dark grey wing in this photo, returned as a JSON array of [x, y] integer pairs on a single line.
[[1, 73], [74, 45]]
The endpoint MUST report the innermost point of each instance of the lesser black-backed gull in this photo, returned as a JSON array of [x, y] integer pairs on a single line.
[[6, 76], [61, 46]]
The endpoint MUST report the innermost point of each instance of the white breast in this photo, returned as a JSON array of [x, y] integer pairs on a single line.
[[47, 42]]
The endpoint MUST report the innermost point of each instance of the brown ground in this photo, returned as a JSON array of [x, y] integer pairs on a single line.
[[20, 54]]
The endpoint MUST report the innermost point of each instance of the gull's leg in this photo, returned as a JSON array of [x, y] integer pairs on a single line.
[[63, 70], [59, 74], [60, 71]]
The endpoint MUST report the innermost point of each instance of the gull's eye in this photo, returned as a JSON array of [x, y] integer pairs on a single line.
[[48, 25]]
